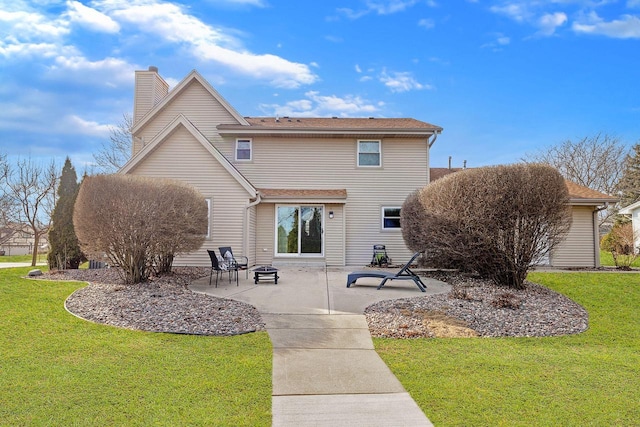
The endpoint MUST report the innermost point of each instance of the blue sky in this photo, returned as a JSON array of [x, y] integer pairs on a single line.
[[503, 78]]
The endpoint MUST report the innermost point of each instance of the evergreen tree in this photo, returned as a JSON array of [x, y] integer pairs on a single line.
[[64, 250], [629, 185]]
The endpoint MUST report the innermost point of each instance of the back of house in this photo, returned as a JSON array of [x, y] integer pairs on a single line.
[[281, 190]]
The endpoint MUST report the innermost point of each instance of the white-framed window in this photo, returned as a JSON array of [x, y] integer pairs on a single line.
[[243, 150], [369, 153], [208, 217], [299, 230], [390, 217]]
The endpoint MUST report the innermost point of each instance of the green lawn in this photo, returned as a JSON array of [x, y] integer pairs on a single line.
[[56, 369], [21, 258], [606, 259], [59, 370], [588, 379]]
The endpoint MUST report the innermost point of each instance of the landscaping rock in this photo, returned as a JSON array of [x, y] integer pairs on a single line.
[[35, 273]]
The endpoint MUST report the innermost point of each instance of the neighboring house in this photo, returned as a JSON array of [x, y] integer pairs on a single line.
[[633, 211], [17, 239], [581, 247], [316, 191]]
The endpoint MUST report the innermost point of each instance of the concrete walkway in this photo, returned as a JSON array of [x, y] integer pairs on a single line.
[[325, 369], [19, 264]]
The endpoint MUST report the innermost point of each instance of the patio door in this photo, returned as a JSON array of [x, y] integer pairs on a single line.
[[299, 230]]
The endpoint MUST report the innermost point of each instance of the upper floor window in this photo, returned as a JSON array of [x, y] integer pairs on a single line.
[[243, 149], [390, 218], [369, 153]]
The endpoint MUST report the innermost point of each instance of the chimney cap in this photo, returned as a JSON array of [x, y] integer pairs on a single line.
[[153, 68]]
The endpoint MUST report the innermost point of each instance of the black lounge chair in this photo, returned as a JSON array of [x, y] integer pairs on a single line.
[[405, 273]]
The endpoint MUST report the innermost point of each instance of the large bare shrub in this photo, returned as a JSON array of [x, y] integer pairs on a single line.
[[497, 221], [620, 241], [139, 223]]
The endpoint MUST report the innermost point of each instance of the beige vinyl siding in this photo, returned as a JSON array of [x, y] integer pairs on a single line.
[[183, 158], [331, 163], [578, 249], [197, 104], [150, 89], [334, 236], [265, 233]]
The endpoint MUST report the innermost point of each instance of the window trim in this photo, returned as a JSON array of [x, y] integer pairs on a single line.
[[383, 217], [379, 141], [208, 200], [250, 141], [299, 254]]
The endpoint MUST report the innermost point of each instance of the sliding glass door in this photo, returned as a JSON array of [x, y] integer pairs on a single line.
[[299, 230]]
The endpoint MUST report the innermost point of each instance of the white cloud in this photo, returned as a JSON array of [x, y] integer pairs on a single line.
[[17, 49], [91, 18], [627, 27], [427, 23], [380, 7], [402, 82], [108, 71], [358, 69], [31, 25], [633, 4], [316, 105], [171, 23], [256, 3], [516, 11], [550, 21], [78, 126]]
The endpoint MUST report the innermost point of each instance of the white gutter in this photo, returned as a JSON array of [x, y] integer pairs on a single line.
[[435, 136], [245, 228], [430, 141]]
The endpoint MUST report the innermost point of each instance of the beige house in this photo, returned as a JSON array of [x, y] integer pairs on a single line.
[[281, 190], [17, 239], [319, 191], [581, 247]]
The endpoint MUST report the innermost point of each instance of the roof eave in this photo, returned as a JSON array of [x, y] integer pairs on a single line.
[[590, 202], [322, 131]]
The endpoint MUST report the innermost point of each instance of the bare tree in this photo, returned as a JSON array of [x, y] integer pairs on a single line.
[[115, 153], [30, 190], [596, 162], [497, 221], [140, 224]]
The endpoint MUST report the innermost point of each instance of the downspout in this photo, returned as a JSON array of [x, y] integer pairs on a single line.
[[245, 229], [430, 141], [596, 235]]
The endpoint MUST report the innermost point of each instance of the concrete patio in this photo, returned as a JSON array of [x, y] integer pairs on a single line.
[[325, 369]]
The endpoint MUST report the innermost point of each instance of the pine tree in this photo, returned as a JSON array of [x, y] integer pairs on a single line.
[[629, 185], [64, 250]]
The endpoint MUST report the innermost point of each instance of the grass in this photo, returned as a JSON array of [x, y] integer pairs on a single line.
[[20, 258], [59, 370], [606, 259], [591, 378]]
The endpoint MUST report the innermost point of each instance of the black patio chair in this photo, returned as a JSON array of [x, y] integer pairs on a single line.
[[217, 267], [241, 262], [405, 273]]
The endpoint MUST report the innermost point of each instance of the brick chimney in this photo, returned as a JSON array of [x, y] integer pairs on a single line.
[[149, 90]]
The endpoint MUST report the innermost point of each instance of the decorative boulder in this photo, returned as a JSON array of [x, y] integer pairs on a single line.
[[34, 273]]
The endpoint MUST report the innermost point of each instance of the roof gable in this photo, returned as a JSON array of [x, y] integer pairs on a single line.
[[181, 120], [193, 76]]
